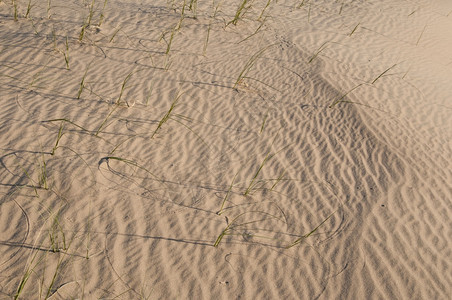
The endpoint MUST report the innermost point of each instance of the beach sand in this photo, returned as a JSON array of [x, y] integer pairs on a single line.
[[208, 150]]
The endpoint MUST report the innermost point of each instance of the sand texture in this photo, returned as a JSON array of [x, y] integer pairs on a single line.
[[175, 149]]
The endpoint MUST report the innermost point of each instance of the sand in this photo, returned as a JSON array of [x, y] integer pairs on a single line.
[[153, 152]]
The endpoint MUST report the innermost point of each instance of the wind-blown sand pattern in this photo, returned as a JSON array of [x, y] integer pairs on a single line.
[[156, 150]]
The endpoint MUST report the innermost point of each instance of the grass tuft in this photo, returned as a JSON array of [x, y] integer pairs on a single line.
[[354, 29], [241, 10], [167, 115], [249, 65], [320, 49], [231, 227], [123, 88], [82, 82], [268, 156], [303, 237], [384, 72], [227, 195], [59, 136], [341, 99]]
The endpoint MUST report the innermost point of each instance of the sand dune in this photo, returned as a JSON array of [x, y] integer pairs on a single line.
[[157, 150]]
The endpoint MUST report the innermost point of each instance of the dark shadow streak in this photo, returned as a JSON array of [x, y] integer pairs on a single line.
[[31, 247], [157, 238]]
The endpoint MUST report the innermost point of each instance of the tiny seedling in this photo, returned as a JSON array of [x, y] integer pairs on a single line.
[[384, 72], [420, 36], [231, 227], [15, 10], [280, 177], [104, 122], [54, 39], [182, 16], [88, 230], [149, 94], [167, 115], [215, 11], [227, 195], [167, 62], [114, 35], [91, 12], [256, 31], [65, 53], [57, 236], [82, 32], [267, 157], [87, 21], [341, 99], [320, 49], [264, 9], [342, 6], [37, 76], [252, 184], [123, 88], [206, 42], [264, 121], [102, 16], [29, 6], [241, 10], [59, 136], [42, 176], [128, 162], [249, 65], [354, 29], [302, 3], [193, 7], [67, 121], [303, 237], [32, 182], [49, 4], [170, 42], [82, 82]]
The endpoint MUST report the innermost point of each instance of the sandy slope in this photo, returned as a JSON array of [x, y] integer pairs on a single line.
[[343, 120]]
